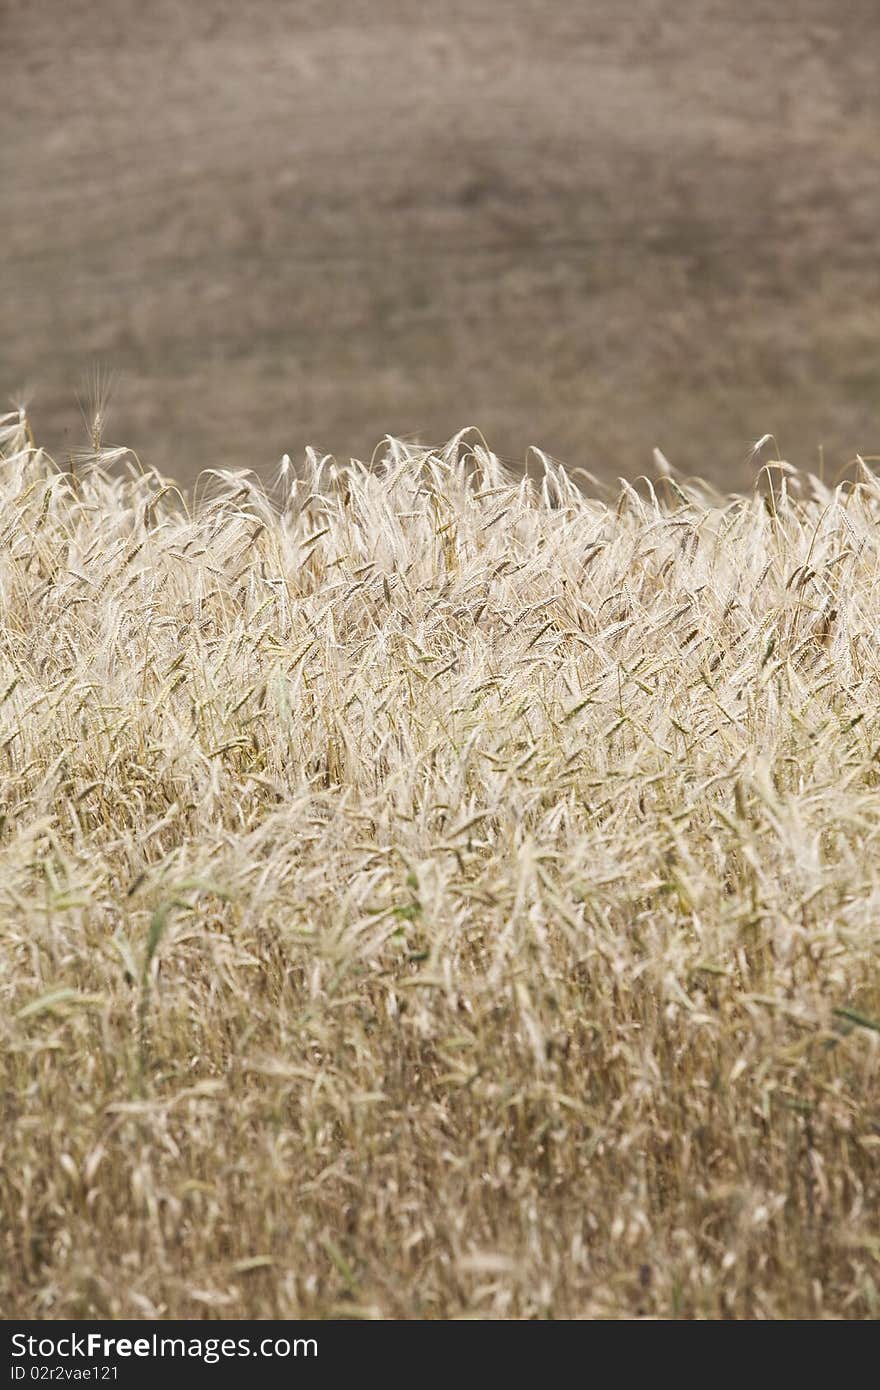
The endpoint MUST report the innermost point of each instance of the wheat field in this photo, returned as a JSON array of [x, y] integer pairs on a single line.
[[426, 892]]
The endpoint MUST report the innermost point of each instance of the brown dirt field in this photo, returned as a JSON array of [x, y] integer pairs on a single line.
[[592, 227]]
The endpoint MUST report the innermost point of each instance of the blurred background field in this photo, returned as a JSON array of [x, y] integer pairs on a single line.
[[592, 227]]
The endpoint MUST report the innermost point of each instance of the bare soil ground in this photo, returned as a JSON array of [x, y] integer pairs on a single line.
[[593, 227]]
